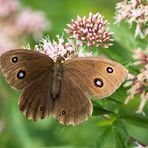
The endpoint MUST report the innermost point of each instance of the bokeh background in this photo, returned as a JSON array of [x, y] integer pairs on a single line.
[[16, 131]]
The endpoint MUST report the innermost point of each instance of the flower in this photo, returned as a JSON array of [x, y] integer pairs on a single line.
[[91, 31], [82, 53], [6, 43], [138, 83], [54, 49], [8, 7], [31, 22], [140, 57], [133, 11], [17, 24], [65, 49]]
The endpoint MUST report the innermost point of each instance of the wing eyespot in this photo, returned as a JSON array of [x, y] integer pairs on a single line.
[[63, 112], [109, 70], [14, 59], [98, 82], [21, 74]]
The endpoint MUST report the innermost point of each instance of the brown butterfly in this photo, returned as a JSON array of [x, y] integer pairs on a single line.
[[60, 88]]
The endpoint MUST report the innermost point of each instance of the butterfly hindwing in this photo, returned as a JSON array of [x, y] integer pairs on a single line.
[[21, 66], [73, 105], [36, 101], [97, 76]]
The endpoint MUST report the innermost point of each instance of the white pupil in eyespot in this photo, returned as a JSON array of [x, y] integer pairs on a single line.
[[109, 70], [14, 59], [98, 82], [21, 74]]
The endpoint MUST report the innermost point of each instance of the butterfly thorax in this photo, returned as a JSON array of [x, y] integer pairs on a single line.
[[57, 79]]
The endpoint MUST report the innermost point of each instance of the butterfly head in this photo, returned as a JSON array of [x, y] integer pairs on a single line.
[[60, 59]]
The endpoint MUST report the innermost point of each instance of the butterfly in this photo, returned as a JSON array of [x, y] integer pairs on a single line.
[[59, 88]]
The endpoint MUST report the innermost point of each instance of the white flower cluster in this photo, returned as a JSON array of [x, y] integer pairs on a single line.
[[16, 24], [134, 11], [66, 49], [8, 6], [32, 22], [138, 83]]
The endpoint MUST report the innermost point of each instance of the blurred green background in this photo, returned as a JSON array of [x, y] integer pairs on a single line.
[[19, 132]]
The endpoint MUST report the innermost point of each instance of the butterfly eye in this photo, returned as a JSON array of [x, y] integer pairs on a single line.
[[21, 74], [98, 82], [14, 59], [63, 112], [109, 69]]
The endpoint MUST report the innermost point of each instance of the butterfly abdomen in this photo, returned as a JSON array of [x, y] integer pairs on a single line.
[[57, 80]]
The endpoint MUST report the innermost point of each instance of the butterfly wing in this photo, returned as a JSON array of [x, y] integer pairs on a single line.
[[97, 76], [21, 66], [72, 106], [36, 101]]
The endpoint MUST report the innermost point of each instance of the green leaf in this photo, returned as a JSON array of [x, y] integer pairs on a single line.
[[119, 141], [114, 136], [137, 120], [99, 110], [122, 129], [112, 99], [102, 137], [122, 135], [96, 103], [106, 122]]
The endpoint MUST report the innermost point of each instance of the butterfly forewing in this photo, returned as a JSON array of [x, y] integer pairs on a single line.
[[21, 66], [97, 76]]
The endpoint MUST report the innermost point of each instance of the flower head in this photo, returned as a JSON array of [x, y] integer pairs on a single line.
[[133, 11], [140, 56], [61, 48], [6, 43], [33, 22], [8, 7], [91, 31], [139, 83], [17, 24]]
